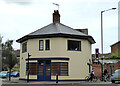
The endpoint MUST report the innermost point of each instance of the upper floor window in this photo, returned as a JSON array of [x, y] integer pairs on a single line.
[[47, 44], [24, 47], [41, 45], [74, 45]]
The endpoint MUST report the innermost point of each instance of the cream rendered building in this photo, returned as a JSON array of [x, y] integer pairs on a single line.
[[55, 49]]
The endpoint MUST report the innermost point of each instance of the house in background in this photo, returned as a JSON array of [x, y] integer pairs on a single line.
[[56, 49], [17, 53], [115, 49], [110, 64]]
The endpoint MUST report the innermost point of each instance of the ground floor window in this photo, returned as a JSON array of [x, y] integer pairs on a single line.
[[32, 68], [49, 68], [60, 68]]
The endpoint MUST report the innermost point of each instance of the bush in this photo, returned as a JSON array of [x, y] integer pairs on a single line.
[[112, 57]]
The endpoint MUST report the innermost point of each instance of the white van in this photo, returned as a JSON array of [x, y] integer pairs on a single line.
[[115, 76]]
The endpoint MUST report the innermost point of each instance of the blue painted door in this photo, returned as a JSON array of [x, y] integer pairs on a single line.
[[44, 70]]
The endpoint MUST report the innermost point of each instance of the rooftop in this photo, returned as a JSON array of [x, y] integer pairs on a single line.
[[57, 29]]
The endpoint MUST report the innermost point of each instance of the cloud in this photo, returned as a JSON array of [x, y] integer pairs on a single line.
[[31, 1], [20, 17], [96, 1], [19, 2]]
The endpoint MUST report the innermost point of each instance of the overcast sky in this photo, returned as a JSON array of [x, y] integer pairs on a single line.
[[21, 17]]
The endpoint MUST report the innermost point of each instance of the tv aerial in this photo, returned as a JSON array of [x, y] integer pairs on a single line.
[[56, 5]]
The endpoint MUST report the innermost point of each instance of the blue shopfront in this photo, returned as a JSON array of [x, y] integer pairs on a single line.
[[44, 68]]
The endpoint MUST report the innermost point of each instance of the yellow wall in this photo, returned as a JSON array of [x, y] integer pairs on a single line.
[[78, 67]]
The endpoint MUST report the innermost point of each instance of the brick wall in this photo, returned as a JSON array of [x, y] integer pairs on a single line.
[[111, 67], [85, 31], [97, 69]]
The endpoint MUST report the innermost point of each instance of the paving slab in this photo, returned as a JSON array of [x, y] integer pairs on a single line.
[[17, 81]]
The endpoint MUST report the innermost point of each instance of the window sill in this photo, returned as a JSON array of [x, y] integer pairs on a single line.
[[24, 52], [41, 50], [73, 50], [47, 50]]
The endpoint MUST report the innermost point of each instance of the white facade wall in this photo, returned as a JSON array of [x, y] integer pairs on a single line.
[[78, 60]]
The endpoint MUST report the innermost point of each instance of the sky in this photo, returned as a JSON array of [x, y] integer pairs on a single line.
[[21, 17]]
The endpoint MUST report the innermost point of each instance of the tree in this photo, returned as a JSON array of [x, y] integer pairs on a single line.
[[7, 53]]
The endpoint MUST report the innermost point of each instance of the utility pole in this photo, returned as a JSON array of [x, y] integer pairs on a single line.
[[102, 38], [0, 53]]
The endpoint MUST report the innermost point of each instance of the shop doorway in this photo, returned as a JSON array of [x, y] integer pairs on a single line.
[[44, 70]]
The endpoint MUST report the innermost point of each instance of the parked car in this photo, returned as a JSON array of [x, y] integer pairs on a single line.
[[115, 76], [4, 74], [15, 74]]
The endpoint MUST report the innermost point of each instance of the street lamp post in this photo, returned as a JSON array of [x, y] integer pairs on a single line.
[[102, 36], [1, 53], [28, 71]]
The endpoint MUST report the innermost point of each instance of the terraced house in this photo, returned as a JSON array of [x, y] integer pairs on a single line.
[[56, 49]]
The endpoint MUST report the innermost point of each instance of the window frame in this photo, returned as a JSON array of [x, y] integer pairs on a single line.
[[41, 45], [24, 47], [31, 68], [47, 44], [60, 67], [76, 42]]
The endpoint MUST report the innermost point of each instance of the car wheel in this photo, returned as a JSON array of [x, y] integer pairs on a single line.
[[113, 81]]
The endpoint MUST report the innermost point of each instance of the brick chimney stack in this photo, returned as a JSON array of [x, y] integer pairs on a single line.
[[56, 16], [85, 31]]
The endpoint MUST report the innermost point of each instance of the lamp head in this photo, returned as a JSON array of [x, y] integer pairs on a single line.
[[113, 8]]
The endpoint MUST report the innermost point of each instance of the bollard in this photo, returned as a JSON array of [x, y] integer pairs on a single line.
[[56, 78]]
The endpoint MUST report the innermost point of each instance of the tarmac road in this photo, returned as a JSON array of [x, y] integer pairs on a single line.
[[17, 82], [64, 84], [61, 85]]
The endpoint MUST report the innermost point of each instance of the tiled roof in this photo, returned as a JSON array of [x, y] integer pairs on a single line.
[[115, 43], [56, 29]]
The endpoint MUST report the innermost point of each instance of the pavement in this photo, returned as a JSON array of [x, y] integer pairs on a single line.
[[17, 81]]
